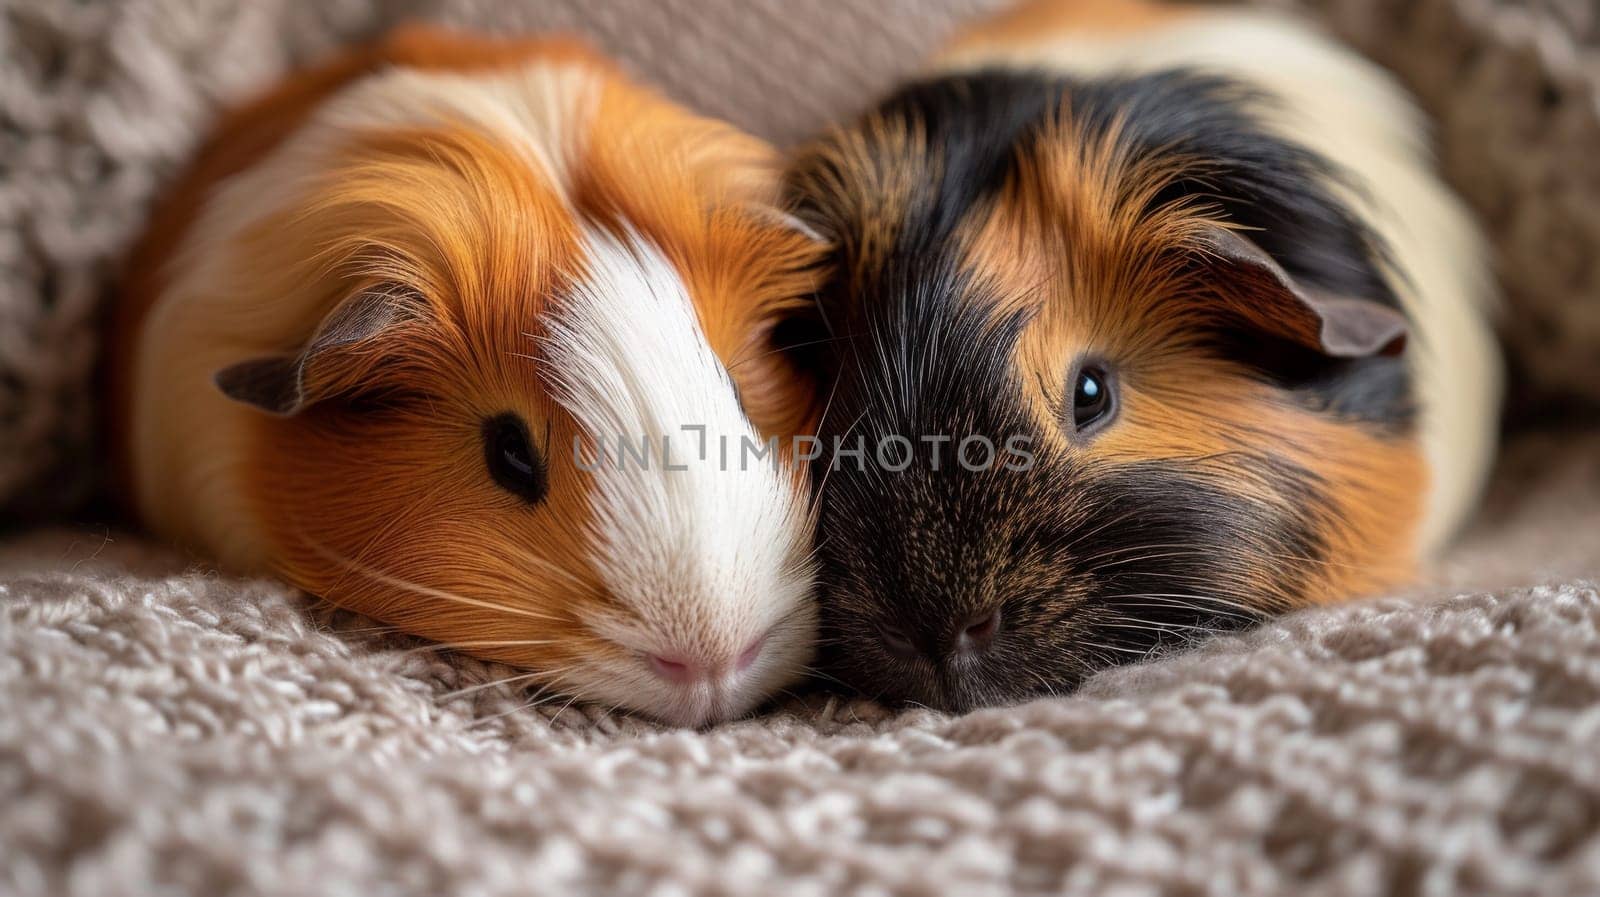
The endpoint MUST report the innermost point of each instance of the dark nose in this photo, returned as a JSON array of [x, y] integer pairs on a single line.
[[977, 633], [973, 635]]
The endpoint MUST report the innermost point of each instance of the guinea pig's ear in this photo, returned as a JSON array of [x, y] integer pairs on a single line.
[[286, 384], [1334, 325]]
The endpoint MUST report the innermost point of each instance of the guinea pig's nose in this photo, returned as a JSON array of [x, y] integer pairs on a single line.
[[977, 632], [681, 671], [686, 669]]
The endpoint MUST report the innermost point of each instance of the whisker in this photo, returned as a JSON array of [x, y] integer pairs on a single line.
[[831, 465], [563, 709], [816, 342], [828, 405], [396, 582], [525, 556], [472, 689], [814, 671], [1045, 683], [1206, 601], [1187, 550], [366, 630], [1118, 648], [539, 699], [458, 646], [1182, 631]]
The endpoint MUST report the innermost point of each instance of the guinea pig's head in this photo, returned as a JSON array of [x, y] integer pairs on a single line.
[[1093, 387], [515, 418]]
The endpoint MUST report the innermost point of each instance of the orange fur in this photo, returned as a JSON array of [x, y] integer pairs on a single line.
[[1030, 21], [483, 241], [458, 219], [1190, 299], [745, 273], [243, 136], [851, 175], [1070, 238]]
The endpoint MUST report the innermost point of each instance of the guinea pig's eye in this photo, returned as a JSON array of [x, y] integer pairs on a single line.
[[513, 462], [1092, 403]]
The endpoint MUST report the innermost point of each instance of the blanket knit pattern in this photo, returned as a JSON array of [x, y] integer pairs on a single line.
[[167, 730], [179, 733]]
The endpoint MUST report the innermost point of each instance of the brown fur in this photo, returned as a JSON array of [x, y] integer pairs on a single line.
[[1070, 237], [385, 508], [1033, 20], [746, 273], [243, 136], [990, 239]]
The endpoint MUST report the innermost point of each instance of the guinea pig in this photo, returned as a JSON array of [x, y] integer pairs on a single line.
[[387, 336], [1143, 321]]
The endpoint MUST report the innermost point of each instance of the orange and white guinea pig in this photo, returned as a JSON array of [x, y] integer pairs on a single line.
[[1193, 259], [363, 343]]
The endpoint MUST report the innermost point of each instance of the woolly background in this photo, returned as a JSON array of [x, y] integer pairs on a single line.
[[162, 728]]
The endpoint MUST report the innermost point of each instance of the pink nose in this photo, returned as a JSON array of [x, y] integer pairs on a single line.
[[685, 669]]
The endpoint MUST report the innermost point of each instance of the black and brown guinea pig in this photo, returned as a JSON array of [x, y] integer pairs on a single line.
[[386, 338], [1144, 320]]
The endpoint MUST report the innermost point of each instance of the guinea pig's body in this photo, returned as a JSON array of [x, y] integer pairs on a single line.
[[1196, 259], [362, 346]]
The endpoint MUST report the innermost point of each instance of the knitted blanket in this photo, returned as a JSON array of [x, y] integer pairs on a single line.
[[167, 730], [173, 732]]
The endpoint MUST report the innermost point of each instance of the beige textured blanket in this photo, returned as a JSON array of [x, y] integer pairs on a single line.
[[166, 730], [190, 734]]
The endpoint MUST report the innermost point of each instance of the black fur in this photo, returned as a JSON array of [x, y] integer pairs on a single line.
[[1278, 190], [974, 124], [1087, 566]]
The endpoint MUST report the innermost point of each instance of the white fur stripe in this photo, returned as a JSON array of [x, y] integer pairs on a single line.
[[707, 557]]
